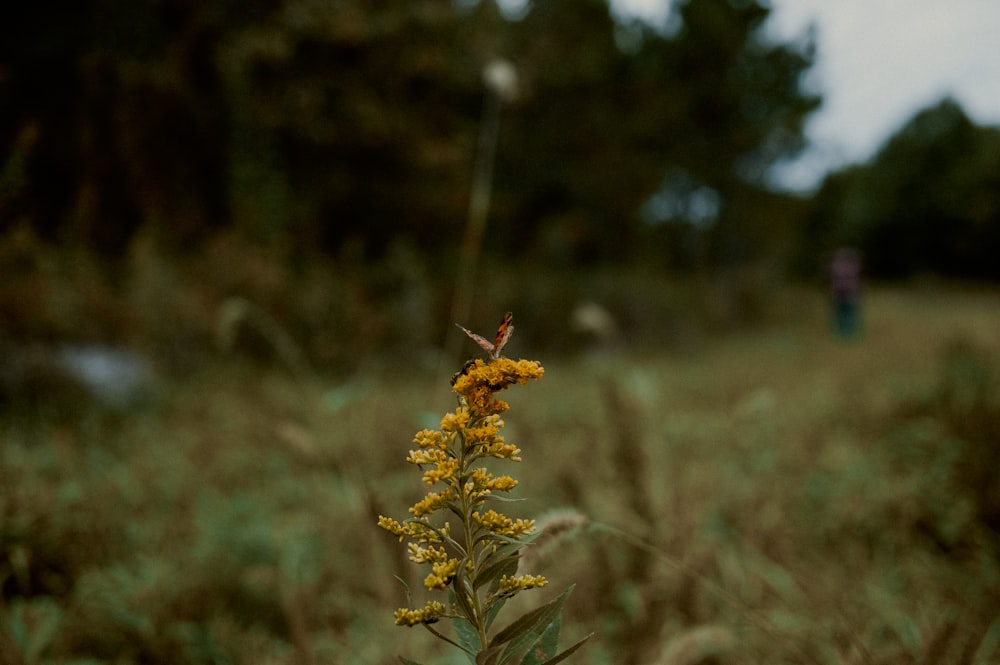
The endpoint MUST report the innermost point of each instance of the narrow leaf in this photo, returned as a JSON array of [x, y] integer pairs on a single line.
[[442, 636], [497, 569], [508, 547], [568, 652], [510, 540], [502, 498], [467, 635], [525, 631], [489, 656], [541, 615], [462, 593], [493, 610], [489, 556], [546, 646]]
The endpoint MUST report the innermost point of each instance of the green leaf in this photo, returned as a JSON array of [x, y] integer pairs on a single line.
[[501, 552], [487, 536], [493, 610], [508, 547], [502, 498], [542, 615], [489, 656], [441, 636], [526, 630], [461, 593], [407, 661], [546, 645], [467, 634], [567, 653], [513, 543], [496, 570]]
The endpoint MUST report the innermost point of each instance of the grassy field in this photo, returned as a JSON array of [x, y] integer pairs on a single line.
[[773, 495]]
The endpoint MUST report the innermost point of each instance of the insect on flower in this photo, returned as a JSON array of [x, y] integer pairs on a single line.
[[479, 567], [469, 364], [504, 332]]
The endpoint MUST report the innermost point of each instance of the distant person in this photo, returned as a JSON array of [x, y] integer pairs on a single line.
[[845, 291]]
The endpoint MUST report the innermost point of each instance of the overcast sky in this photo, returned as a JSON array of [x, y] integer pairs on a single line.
[[878, 63]]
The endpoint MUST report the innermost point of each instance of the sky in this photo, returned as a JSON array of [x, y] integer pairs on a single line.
[[878, 63]]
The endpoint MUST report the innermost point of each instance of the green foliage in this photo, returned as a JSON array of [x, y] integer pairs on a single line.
[[964, 403], [33, 626], [352, 125], [787, 499], [602, 127], [533, 638]]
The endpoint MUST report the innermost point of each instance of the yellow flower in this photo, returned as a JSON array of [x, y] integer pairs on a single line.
[[510, 586], [442, 573], [432, 502], [443, 472], [482, 483], [429, 438], [503, 450], [431, 554], [502, 525], [452, 456], [453, 422], [393, 527], [418, 530], [424, 533], [431, 613], [485, 434], [481, 380], [427, 456], [501, 484]]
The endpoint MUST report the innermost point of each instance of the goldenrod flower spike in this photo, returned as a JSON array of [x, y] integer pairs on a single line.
[[479, 566]]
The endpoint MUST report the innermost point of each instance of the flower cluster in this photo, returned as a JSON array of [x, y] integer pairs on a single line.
[[478, 565], [510, 585], [429, 614]]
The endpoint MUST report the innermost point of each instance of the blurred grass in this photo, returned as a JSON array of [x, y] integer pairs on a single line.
[[768, 495]]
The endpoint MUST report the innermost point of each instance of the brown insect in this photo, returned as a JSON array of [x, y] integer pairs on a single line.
[[504, 332]]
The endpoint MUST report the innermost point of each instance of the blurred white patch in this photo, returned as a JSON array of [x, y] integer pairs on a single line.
[[500, 76], [594, 321]]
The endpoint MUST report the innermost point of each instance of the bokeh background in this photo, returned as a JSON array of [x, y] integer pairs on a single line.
[[234, 242]]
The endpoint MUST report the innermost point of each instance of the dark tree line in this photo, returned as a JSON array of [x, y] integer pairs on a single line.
[[927, 202], [353, 123]]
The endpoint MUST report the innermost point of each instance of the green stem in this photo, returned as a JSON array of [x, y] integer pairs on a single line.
[[447, 639], [467, 526]]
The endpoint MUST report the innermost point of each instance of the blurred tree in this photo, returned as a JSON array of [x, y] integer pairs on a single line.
[[348, 124], [360, 120], [126, 109], [743, 110], [618, 113], [321, 120], [569, 171], [928, 201]]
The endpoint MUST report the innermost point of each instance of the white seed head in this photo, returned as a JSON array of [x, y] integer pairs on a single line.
[[500, 77]]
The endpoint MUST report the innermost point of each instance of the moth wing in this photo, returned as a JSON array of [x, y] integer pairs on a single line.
[[486, 344], [504, 332]]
